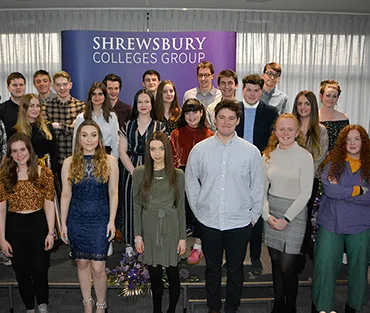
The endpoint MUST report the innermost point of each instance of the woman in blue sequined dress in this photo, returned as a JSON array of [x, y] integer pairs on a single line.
[[89, 204]]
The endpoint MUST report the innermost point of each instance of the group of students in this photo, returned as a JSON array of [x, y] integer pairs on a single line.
[[228, 186]]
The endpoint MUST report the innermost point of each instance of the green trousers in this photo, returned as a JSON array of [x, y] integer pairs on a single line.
[[328, 260]]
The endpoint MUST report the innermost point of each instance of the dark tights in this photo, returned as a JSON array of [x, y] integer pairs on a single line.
[[157, 287], [285, 278]]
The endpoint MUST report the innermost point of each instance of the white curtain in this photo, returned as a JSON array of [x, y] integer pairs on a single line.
[[309, 46], [30, 40]]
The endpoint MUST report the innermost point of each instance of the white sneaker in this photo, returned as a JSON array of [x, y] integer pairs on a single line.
[[345, 260], [43, 308], [4, 260], [110, 249], [129, 250]]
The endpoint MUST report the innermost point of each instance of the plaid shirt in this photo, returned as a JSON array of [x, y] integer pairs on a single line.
[[65, 114], [3, 140]]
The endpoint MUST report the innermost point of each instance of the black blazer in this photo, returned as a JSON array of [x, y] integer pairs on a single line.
[[266, 116]]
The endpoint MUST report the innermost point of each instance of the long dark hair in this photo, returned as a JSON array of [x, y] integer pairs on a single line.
[[106, 107], [193, 105], [313, 131], [175, 109], [8, 169], [149, 166], [134, 112]]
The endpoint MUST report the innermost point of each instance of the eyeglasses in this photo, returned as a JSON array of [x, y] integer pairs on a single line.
[[272, 75], [206, 75]]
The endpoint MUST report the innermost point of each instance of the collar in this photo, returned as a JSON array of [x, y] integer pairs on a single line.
[[229, 142], [212, 91], [248, 106]]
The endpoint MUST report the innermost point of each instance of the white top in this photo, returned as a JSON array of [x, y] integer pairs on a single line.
[[289, 174], [109, 130], [224, 183]]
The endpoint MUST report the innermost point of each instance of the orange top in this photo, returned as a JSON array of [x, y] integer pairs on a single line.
[[26, 196]]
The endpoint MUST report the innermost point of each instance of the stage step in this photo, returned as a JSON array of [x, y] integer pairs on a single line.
[[193, 302]]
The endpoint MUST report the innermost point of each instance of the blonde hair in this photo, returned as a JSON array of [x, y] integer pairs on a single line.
[[101, 167], [273, 140], [23, 125]]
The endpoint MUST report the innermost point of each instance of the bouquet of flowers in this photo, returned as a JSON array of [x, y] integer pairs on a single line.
[[131, 275]]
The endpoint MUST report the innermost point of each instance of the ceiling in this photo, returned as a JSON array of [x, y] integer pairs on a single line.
[[339, 6]]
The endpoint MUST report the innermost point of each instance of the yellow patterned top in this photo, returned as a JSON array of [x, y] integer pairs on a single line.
[[26, 196]]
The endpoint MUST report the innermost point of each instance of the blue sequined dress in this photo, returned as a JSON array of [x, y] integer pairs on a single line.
[[88, 217]]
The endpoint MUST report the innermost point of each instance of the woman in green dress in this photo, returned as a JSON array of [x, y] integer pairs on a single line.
[[159, 217]]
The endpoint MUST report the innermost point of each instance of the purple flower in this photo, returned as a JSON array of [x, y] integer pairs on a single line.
[[184, 273]]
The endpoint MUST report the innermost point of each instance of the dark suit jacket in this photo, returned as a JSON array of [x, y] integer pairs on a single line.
[[266, 116]]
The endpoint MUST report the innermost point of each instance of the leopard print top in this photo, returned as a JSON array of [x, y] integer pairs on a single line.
[[26, 196]]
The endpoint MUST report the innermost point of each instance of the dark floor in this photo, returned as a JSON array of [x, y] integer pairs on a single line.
[[63, 300]]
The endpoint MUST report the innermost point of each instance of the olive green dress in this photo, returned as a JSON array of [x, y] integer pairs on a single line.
[[160, 221]]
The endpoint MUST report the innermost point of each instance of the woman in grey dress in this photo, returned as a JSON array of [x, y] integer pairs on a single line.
[[159, 217], [289, 172]]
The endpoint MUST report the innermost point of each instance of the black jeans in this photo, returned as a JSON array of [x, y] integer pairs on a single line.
[[26, 233], [234, 242], [255, 244], [156, 284]]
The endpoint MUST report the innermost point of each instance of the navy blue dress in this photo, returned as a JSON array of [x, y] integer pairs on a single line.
[[88, 217]]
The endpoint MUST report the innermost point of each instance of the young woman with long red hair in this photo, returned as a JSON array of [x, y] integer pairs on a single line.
[[344, 221]]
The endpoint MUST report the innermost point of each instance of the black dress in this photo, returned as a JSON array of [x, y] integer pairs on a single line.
[[43, 146]]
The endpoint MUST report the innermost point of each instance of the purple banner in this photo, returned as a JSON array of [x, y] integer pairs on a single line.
[[90, 55]]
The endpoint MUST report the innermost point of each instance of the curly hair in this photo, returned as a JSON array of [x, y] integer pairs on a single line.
[[8, 169], [100, 159], [23, 125], [313, 131], [175, 109], [149, 167], [273, 140], [337, 156], [329, 83]]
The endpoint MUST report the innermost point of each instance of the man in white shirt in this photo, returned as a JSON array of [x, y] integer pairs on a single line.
[[204, 92], [224, 182]]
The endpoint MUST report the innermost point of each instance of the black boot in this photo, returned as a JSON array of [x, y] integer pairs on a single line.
[[279, 306], [313, 308], [349, 309]]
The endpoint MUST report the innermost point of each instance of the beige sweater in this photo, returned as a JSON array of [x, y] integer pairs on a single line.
[[289, 174]]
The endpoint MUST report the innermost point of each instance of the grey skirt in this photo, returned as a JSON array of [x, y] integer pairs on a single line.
[[290, 239]]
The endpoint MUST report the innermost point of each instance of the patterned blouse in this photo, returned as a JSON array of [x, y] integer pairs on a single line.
[[26, 196], [334, 128]]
